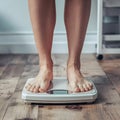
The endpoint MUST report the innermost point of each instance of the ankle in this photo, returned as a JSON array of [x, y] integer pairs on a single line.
[[73, 64], [46, 63]]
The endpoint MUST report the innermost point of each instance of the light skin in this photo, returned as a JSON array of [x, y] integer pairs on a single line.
[[43, 19]]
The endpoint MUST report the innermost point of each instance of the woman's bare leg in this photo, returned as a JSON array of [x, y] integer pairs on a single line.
[[76, 18], [43, 18]]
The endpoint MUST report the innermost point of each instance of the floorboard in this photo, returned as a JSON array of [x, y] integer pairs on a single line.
[[16, 69]]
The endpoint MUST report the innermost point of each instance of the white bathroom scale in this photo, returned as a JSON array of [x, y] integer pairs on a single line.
[[59, 93]]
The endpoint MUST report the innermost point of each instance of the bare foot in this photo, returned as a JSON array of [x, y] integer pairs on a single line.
[[42, 81], [77, 83]]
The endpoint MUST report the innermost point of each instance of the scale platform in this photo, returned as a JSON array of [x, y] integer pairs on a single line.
[[59, 94]]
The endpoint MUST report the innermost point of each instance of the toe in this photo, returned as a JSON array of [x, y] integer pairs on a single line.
[[32, 88], [36, 89], [81, 88], [41, 90], [28, 88], [73, 87], [85, 87], [44, 86], [28, 85], [88, 86], [76, 89]]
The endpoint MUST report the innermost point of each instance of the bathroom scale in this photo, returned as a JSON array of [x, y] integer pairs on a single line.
[[59, 93]]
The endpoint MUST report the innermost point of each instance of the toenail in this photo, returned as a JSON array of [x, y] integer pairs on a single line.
[[87, 89], [76, 89], [31, 89], [35, 90], [39, 90], [82, 90], [42, 90], [84, 87]]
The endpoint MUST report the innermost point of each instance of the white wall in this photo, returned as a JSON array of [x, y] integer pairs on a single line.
[[16, 31]]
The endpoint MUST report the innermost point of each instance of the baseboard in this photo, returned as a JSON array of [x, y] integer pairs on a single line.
[[23, 43]]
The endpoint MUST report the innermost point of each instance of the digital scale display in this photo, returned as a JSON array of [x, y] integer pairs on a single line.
[[58, 92]]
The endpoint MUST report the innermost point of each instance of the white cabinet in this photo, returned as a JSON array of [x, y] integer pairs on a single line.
[[108, 27]]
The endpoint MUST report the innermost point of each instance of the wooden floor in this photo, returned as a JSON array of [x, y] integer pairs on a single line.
[[16, 69]]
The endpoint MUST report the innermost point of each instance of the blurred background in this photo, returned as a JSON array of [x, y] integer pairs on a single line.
[[16, 34]]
